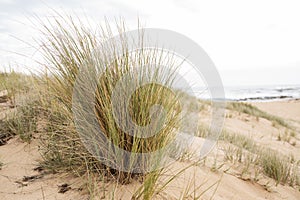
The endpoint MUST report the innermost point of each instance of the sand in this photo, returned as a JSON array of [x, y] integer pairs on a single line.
[[226, 182], [287, 109], [19, 160]]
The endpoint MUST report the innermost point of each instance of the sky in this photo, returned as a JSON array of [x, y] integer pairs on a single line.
[[253, 42]]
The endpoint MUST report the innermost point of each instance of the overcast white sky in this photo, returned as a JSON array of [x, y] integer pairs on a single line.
[[253, 42]]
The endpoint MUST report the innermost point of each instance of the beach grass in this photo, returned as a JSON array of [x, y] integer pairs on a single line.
[[15, 83], [23, 122], [67, 48], [5, 132], [275, 166], [270, 162], [21, 115], [249, 154]]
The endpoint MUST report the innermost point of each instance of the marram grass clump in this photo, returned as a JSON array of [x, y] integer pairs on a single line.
[[67, 49]]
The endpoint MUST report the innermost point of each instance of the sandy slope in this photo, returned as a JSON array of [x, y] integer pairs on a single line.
[[286, 109], [20, 159]]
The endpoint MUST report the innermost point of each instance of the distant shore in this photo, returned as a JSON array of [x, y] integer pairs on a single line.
[[254, 93], [266, 99]]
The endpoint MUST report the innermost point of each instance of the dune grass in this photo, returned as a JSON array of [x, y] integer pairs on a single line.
[[247, 152], [22, 121], [270, 162], [276, 166], [68, 48], [5, 132], [21, 114], [14, 83], [227, 136]]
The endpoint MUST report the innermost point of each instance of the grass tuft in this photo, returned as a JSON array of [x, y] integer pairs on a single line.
[[15, 83], [23, 122], [275, 166], [69, 48]]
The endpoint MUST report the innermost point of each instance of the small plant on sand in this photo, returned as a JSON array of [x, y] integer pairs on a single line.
[[5, 132], [295, 176], [275, 166], [239, 140], [23, 122], [14, 83]]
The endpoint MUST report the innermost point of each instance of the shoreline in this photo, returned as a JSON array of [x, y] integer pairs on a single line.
[[255, 100], [267, 99]]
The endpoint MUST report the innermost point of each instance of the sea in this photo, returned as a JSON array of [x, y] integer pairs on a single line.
[[255, 93]]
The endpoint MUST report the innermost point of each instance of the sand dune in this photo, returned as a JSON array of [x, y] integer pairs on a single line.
[[219, 179]]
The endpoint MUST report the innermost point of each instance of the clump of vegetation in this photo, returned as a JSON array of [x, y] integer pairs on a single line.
[[14, 83], [69, 48], [287, 136], [236, 139], [254, 111], [61, 147], [21, 122], [22, 119], [245, 151], [5, 132], [276, 166], [239, 140], [269, 162]]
